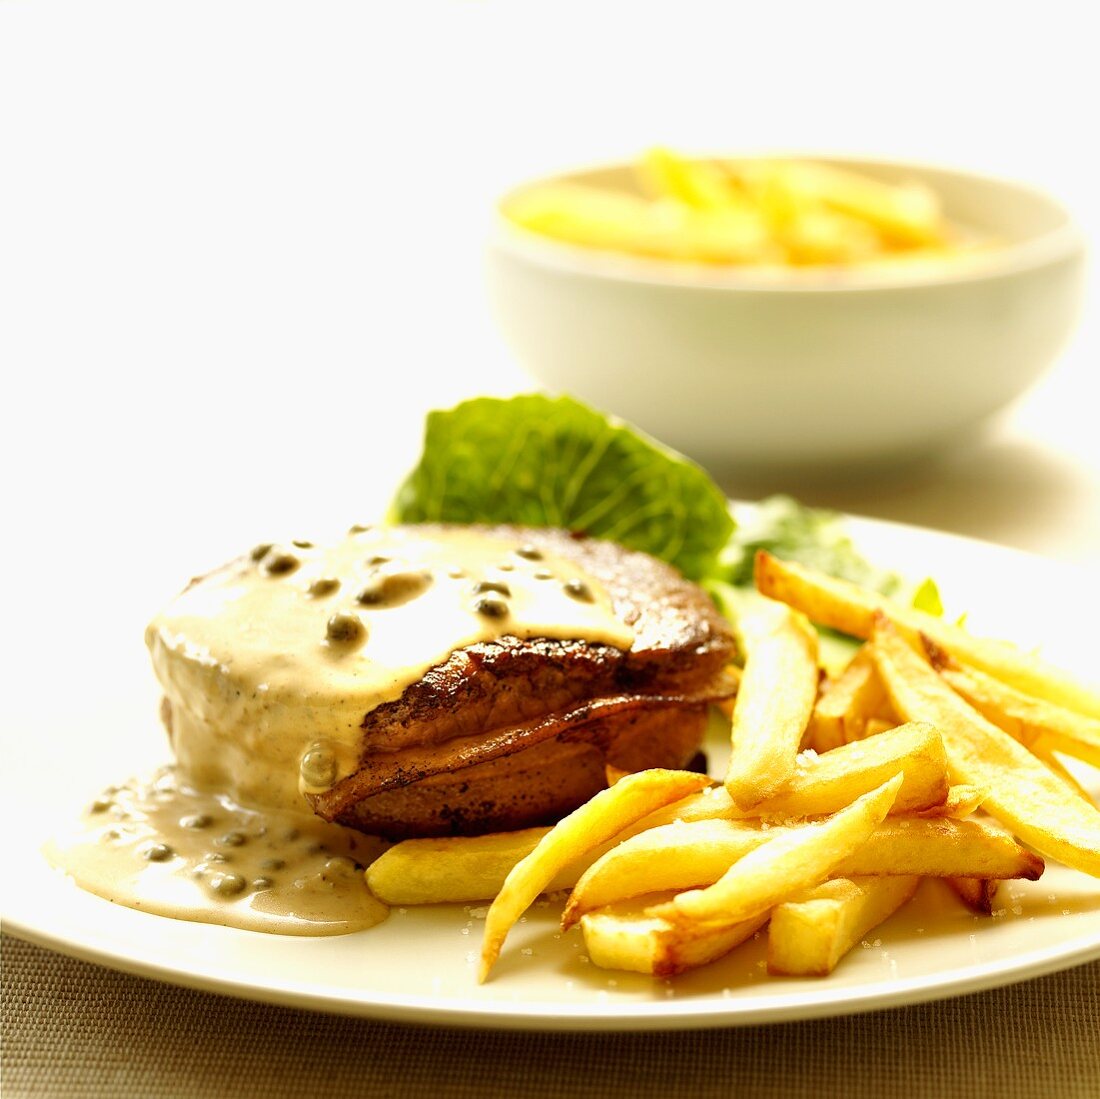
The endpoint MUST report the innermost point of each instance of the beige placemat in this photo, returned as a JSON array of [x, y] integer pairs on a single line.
[[74, 1029]]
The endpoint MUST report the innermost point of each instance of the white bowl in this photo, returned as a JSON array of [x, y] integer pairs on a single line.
[[803, 369]]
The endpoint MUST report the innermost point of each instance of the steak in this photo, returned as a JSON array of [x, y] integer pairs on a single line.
[[515, 732]]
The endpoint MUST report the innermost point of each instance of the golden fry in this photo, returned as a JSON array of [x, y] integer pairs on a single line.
[[691, 855], [595, 822], [623, 937], [758, 212], [960, 802], [783, 865], [1023, 793], [877, 725], [824, 784], [942, 847], [846, 704], [672, 856], [1020, 715], [809, 935], [701, 184], [851, 609], [452, 868], [977, 894], [820, 237], [613, 774], [907, 214], [774, 702], [617, 221], [1041, 749]]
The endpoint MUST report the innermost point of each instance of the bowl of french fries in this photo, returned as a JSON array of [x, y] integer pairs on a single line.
[[787, 313], [930, 754]]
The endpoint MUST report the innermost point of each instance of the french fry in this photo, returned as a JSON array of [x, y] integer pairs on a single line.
[[977, 894], [774, 702], [1043, 752], [459, 869], [598, 820], [623, 937], [802, 214], [672, 856], [818, 236], [851, 609], [768, 190], [942, 847], [713, 803], [729, 236], [453, 868], [701, 184], [782, 865], [1018, 714], [846, 703], [618, 221], [589, 216], [907, 214], [808, 936], [1023, 793], [691, 855], [877, 725], [824, 784], [960, 802]]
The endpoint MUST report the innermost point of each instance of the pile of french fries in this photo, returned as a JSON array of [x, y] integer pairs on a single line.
[[932, 754], [759, 212]]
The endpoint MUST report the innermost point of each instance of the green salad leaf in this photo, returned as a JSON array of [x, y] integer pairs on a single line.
[[927, 597], [551, 461], [809, 536], [535, 460]]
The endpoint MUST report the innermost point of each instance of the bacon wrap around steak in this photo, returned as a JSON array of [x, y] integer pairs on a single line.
[[510, 733]]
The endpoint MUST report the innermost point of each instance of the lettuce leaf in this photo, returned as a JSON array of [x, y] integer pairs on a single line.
[[808, 536], [927, 598], [551, 461]]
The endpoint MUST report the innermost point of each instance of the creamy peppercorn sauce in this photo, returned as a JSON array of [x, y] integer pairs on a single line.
[[268, 666]]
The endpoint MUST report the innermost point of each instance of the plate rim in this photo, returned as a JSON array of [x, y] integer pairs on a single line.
[[695, 1014]]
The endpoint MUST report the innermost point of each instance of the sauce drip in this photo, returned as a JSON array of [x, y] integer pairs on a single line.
[[159, 846]]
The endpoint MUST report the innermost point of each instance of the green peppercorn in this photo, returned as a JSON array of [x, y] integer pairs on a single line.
[[344, 629], [491, 606], [579, 590]]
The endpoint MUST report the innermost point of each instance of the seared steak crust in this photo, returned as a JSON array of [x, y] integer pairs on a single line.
[[680, 642], [538, 785], [491, 709]]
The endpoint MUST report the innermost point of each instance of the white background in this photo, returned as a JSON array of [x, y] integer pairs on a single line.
[[240, 246]]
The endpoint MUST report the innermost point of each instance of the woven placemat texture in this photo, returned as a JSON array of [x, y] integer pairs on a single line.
[[75, 1029]]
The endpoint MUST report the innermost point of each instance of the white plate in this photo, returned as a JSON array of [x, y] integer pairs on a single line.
[[419, 966]]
